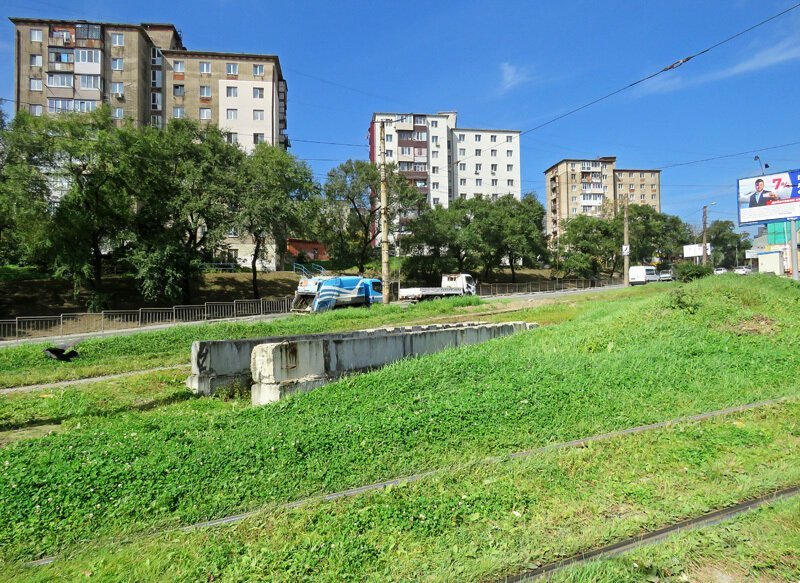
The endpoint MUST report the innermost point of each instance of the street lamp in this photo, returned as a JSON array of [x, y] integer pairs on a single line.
[[758, 159], [705, 221]]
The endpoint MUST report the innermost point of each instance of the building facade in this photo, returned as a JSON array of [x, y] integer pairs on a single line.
[[144, 73], [447, 162], [596, 188]]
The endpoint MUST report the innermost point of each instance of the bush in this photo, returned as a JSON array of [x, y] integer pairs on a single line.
[[689, 271]]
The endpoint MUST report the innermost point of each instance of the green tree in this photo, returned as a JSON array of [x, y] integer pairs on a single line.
[[593, 245], [351, 209], [727, 246], [520, 224], [273, 200]]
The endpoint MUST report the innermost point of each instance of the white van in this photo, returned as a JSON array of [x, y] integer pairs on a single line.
[[641, 274]]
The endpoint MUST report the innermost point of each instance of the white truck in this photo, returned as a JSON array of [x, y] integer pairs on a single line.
[[457, 284]]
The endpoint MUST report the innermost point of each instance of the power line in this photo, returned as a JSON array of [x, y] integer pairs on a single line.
[[728, 155], [671, 67]]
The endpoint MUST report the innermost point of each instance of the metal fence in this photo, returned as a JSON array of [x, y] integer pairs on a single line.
[[549, 285], [111, 320]]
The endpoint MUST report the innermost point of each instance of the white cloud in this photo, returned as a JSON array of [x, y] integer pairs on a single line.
[[512, 76]]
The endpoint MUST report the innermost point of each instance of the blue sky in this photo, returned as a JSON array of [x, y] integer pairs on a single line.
[[514, 65]]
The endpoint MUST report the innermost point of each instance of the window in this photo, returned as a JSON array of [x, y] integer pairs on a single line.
[[233, 138], [508, 138], [419, 120], [117, 39], [258, 93], [462, 167], [510, 182], [258, 70], [574, 187], [59, 80], [632, 187], [494, 181], [156, 121], [653, 187], [477, 167], [90, 56], [84, 106], [477, 151], [435, 185], [493, 167], [89, 81], [179, 90], [572, 177], [155, 56], [155, 100], [205, 113], [59, 105], [509, 153], [117, 88], [419, 136], [641, 174], [462, 151], [232, 114], [405, 151], [258, 115], [116, 64], [232, 68], [389, 138], [435, 201], [435, 154], [231, 91], [574, 211], [36, 60], [156, 77], [462, 182], [494, 153], [390, 153], [61, 56], [420, 167], [36, 35], [434, 123], [178, 67], [574, 199], [654, 197], [641, 187], [178, 112], [572, 166], [478, 182], [461, 137], [205, 67], [205, 90], [36, 110], [258, 138], [509, 167], [434, 170], [91, 31], [434, 139], [117, 113], [36, 84]]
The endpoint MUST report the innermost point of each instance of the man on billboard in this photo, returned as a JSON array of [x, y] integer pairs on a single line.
[[761, 197]]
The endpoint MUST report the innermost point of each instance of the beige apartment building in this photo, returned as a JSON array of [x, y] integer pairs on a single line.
[[595, 188], [144, 72]]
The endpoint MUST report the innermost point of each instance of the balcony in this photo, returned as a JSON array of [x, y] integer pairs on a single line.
[[54, 67], [89, 43], [59, 41]]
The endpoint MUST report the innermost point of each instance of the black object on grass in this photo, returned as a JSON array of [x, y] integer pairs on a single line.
[[62, 353]]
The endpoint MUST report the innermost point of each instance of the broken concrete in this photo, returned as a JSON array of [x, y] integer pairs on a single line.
[[300, 365]]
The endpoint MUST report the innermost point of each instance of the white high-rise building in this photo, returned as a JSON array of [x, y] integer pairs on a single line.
[[447, 162]]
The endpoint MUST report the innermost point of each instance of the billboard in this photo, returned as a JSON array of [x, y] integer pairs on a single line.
[[769, 198], [696, 250]]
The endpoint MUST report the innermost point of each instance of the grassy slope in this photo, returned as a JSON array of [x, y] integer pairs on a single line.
[[617, 365], [758, 546], [477, 522], [25, 364]]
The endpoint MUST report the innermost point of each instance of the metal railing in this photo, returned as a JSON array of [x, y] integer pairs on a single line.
[[24, 327], [549, 285]]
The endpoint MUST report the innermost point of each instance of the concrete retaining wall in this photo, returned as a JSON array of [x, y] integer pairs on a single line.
[[299, 365]]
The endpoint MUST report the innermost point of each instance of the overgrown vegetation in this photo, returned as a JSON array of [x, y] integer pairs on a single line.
[[616, 365]]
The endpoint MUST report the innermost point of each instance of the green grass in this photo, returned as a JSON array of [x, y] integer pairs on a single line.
[[26, 365], [19, 273], [72, 403], [477, 522], [759, 546], [620, 364]]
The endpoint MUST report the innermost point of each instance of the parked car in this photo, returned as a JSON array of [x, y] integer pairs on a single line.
[[743, 270], [720, 271], [665, 275]]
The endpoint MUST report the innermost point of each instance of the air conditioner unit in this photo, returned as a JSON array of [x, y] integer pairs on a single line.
[[119, 95], [493, 173], [476, 173]]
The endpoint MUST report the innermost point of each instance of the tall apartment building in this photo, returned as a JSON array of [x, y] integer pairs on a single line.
[[595, 188], [144, 72], [447, 162]]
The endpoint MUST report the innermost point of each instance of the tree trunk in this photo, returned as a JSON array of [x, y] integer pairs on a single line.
[[254, 267], [187, 286], [513, 271], [97, 266]]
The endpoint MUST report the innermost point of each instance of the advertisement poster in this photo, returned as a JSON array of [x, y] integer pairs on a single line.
[[772, 197]]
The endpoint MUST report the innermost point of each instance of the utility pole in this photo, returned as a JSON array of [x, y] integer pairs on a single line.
[[705, 220], [626, 245], [793, 250], [384, 220]]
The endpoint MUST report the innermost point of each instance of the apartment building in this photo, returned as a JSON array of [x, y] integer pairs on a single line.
[[595, 188], [145, 73], [447, 162]]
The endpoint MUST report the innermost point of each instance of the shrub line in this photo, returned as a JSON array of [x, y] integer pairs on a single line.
[[654, 536]]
